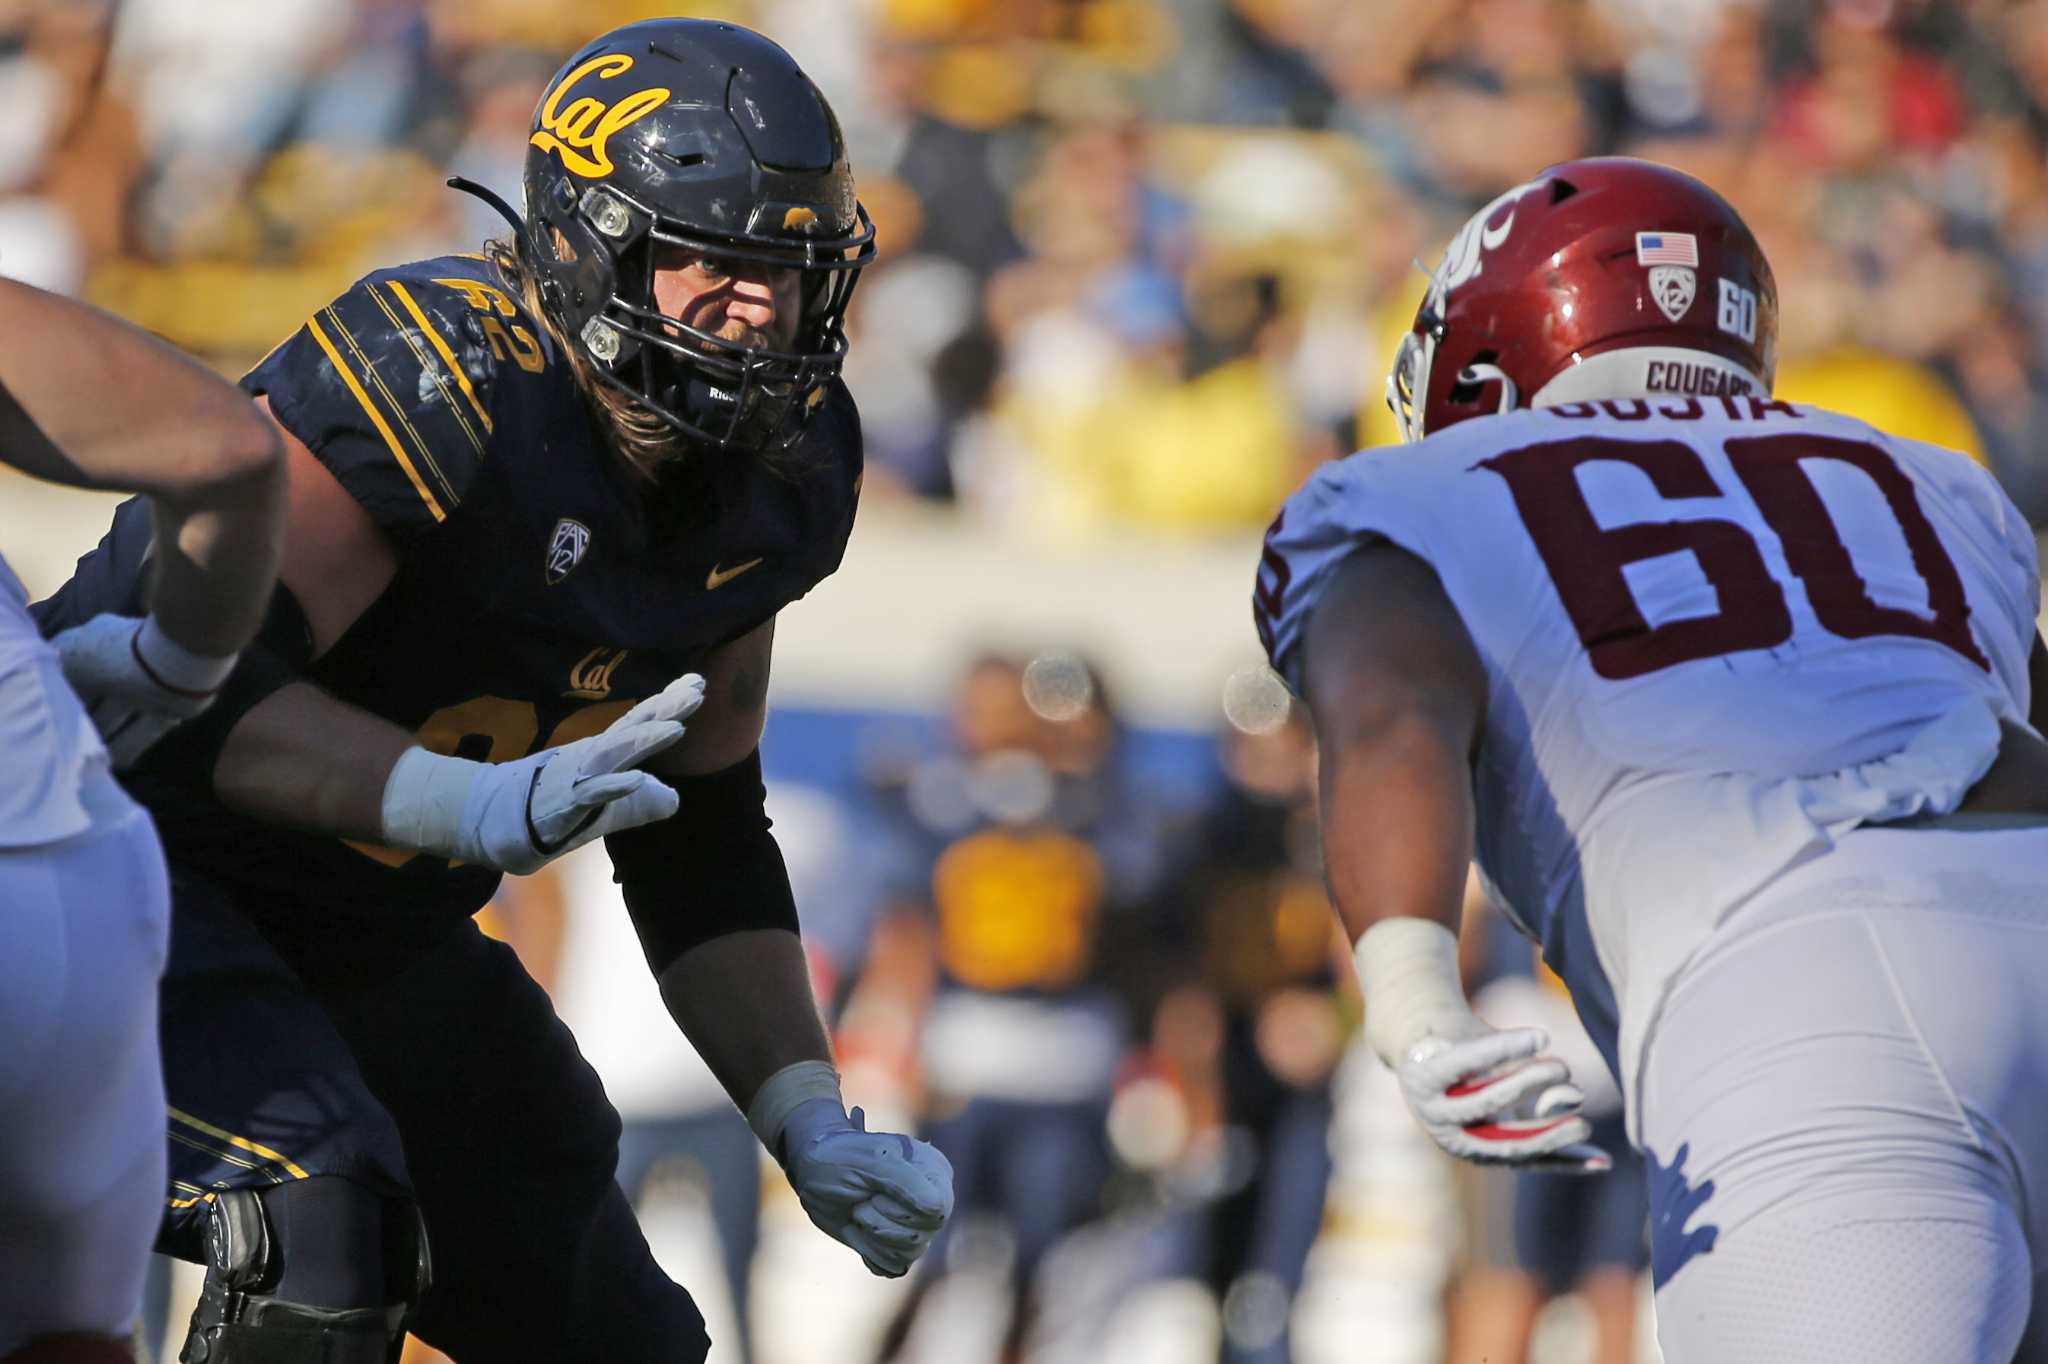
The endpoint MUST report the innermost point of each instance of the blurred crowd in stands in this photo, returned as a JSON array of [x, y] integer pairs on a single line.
[[1142, 259]]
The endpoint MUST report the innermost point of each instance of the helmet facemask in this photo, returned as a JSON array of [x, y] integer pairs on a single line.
[[713, 389], [702, 137], [1408, 380]]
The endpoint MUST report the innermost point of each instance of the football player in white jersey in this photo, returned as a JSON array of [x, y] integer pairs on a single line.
[[84, 907], [1738, 704]]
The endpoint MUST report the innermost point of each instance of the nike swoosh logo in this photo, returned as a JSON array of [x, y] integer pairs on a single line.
[[719, 577]]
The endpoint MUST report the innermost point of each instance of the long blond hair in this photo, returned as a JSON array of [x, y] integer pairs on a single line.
[[645, 442]]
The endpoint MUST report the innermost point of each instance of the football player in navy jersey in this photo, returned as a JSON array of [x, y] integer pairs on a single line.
[[544, 506]]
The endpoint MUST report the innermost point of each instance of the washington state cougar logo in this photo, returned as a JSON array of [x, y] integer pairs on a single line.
[[565, 548], [1673, 287], [1465, 255]]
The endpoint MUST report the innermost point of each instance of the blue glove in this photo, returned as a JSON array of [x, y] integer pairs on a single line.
[[883, 1194]]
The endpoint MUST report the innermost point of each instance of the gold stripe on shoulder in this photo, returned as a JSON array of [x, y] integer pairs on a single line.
[[442, 348], [430, 369], [231, 1139], [376, 418], [392, 404]]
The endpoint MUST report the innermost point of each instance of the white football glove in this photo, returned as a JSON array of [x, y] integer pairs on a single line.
[[518, 816], [1482, 1094], [137, 682], [883, 1194], [1494, 1099]]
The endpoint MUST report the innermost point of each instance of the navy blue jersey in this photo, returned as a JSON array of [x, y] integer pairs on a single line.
[[543, 588]]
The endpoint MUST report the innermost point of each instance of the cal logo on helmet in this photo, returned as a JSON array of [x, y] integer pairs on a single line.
[[578, 134]]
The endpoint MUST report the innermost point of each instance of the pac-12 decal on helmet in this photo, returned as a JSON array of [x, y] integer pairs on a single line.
[[1673, 287], [707, 138], [1582, 283]]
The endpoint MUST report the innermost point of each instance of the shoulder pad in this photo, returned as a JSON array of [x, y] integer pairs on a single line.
[[1343, 505], [393, 385]]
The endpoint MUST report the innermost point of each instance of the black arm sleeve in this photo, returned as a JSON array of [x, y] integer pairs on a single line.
[[710, 869]]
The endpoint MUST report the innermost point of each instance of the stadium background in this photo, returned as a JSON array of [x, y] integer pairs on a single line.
[[1143, 265]]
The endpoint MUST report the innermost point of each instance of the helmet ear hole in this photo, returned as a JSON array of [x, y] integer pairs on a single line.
[[1470, 379], [1561, 190]]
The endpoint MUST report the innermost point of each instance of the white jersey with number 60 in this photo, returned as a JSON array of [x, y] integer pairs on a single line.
[[1717, 633]]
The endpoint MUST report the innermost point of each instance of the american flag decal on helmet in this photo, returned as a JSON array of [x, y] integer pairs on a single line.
[[1667, 248]]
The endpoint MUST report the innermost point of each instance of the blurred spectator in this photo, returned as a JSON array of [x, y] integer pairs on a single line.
[[1021, 855], [1266, 958]]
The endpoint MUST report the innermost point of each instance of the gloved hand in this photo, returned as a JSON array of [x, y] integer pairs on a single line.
[[1493, 1098], [137, 682], [882, 1194], [1482, 1094], [517, 816]]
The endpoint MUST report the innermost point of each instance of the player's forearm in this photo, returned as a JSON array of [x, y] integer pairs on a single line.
[[302, 758], [1397, 825], [1397, 691], [744, 1001], [216, 562], [93, 402], [90, 401]]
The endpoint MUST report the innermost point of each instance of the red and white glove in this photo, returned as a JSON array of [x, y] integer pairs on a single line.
[[136, 681], [1483, 1094]]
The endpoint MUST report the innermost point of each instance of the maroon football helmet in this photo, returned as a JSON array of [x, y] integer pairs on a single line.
[[1604, 278]]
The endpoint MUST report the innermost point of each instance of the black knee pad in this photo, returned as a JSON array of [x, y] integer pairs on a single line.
[[319, 1271]]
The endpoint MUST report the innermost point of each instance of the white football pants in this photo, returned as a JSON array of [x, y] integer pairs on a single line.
[[1846, 1107], [84, 927]]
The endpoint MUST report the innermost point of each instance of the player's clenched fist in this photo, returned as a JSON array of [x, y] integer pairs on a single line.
[[1495, 1099], [136, 682], [881, 1193], [517, 816], [1482, 1094]]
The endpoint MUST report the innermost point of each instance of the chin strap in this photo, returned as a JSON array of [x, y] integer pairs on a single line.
[[490, 196], [522, 235]]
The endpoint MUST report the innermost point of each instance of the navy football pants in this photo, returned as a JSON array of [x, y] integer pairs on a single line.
[[414, 1057]]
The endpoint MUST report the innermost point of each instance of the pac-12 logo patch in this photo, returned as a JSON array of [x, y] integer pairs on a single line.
[[1673, 287], [565, 548]]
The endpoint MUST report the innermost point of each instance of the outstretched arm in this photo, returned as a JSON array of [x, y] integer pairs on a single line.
[[712, 902], [90, 401], [289, 753], [743, 998], [1399, 697]]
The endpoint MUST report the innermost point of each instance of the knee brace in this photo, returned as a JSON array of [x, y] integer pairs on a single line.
[[320, 1271]]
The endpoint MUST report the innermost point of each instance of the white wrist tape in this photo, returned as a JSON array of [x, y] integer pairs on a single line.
[[787, 1090], [423, 802], [1408, 970], [172, 665]]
